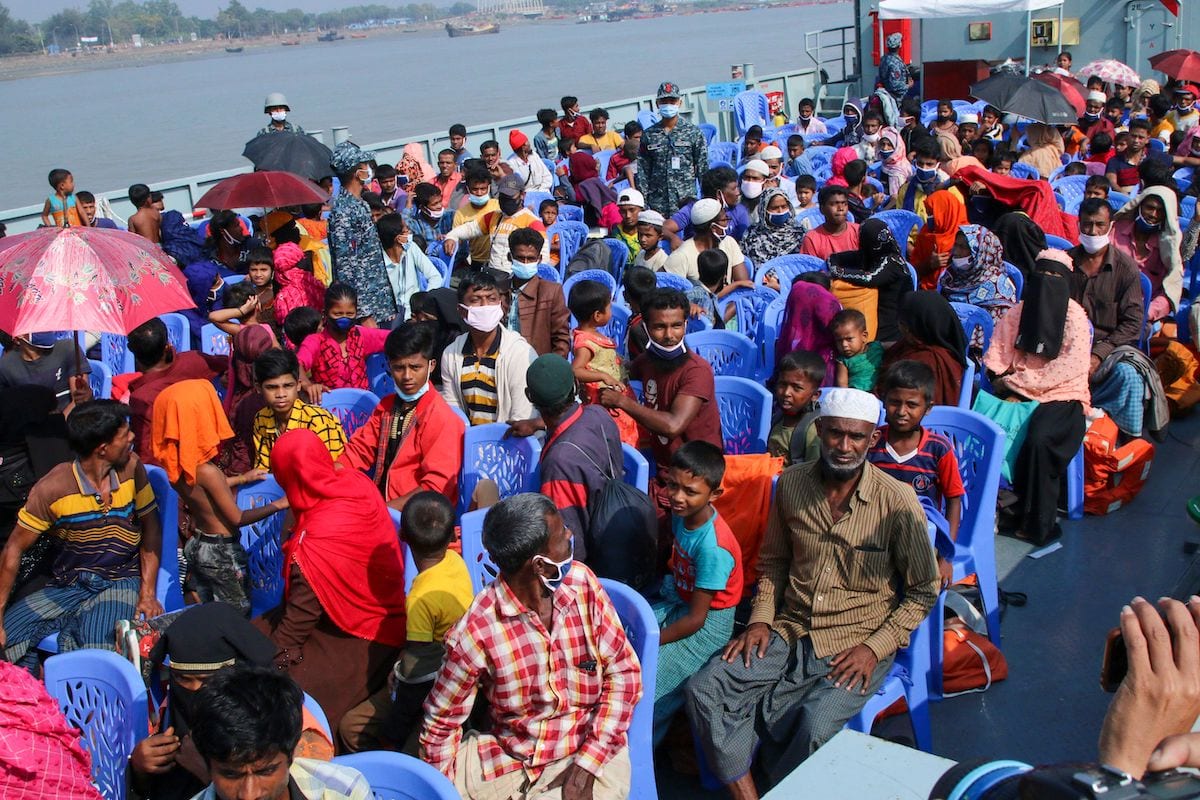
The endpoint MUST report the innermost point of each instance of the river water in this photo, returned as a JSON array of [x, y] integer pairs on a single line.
[[115, 127]]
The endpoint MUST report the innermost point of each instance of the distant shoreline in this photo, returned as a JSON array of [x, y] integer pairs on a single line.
[[37, 65]]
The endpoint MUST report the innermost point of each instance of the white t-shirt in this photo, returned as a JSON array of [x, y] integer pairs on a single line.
[[685, 261]]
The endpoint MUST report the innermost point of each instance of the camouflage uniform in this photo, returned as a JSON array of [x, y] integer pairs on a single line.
[[664, 184], [287, 128]]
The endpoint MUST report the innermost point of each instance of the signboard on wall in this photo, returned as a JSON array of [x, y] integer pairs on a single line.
[[720, 95], [1045, 33]]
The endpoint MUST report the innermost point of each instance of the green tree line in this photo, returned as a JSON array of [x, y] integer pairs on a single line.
[[162, 21]]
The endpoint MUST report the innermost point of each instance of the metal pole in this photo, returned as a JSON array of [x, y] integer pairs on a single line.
[[1060, 26], [1028, 37], [748, 75]]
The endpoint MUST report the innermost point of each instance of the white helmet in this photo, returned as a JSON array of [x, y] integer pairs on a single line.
[[275, 99]]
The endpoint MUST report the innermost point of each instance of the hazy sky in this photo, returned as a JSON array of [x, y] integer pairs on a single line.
[[37, 10]]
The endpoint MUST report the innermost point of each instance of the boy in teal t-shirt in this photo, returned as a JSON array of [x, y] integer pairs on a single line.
[[858, 359]]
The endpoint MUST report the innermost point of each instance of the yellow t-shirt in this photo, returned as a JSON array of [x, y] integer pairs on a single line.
[[1162, 130], [439, 597], [481, 247], [611, 140]]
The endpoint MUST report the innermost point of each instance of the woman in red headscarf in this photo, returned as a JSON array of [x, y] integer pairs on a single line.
[[342, 621], [931, 252]]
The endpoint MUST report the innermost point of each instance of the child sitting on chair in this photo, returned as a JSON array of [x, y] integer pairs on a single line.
[[858, 360], [798, 378], [596, 362], [336, 356]]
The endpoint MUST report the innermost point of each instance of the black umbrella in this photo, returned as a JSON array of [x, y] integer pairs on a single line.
[[1025, 97], [297, 153]]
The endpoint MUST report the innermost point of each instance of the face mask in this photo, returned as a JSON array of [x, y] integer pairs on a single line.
[[871, 138], [370, 175], [435, 215], [1093, 244], [278, 116], [509, 205], [412, 398], [719, 232], [342, 324], [752, 189], [1090, 117], [960, 263], [806, 115], [1186, 107], [851, 120], [483, 319], [524, 271], [884, 155], [478, 201], [562, 569], [669, 110], [925, 175], [665, 353], [780, 219], [1144, 226]]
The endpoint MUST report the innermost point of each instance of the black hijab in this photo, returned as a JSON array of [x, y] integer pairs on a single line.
[[930, 319], [1044, 309], [1022, 240], [877, 263]]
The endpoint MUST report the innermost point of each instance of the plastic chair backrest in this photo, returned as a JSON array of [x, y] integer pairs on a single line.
[[114, 352], [709, 130], [1157, 145], [973, 317], [213, 340], [170, 593], [1018, 279], [647, 117], [637, 468], [901, 223], [812, 216], [669, 280], [602, 159], [571, 236], [441, 267], [476, 557], [1117, 200], [179, 331], [1070, 187], [102, 695], [395, 776], [727, 352], [352, 407], [598, 275], [513, 463], [377, 364], [745, 409], [313, 707], [722, 151], [979, 445], [786, 268], [768, 333], [548, 273], [750, 108], [617, 327], [750, 304], [1022, 170], [100, 379], [570, 213], [261, 541], [642, 631], [816, 159], [619, 252], [1147, 325], [1057, 242], [534, 199], [1187, 207], [912, 275]]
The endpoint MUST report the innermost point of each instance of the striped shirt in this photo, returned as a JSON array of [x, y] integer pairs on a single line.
[[567, 692], [836, 582], [314, 418], [931, 469], [478, 382], [102, 540]]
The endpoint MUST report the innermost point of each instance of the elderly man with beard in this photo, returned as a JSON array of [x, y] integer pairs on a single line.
[[847, 573]]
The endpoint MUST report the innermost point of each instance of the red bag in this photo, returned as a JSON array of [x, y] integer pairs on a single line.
[[1112, 475], [970, 662]]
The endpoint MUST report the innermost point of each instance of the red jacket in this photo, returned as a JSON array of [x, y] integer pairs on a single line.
[[429, 458]]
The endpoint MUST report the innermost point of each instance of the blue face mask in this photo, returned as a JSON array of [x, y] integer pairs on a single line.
[[563, 569], [1146, 227], [477, 201], [665, 353], [781, 219], [342, 324], [412, 398], [925, 175], [851, 120], [669, 110], [523, 271]]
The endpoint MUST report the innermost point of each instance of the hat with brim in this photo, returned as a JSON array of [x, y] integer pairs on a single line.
[[347, 156], [550, 381], [510, 186]]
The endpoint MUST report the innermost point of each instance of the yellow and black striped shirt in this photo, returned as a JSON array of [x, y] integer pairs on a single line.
[[478, 382]]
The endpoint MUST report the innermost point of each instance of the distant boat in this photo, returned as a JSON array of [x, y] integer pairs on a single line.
[[234, 49], [330, 36], [358, 36], [456, 31], [292, 43]]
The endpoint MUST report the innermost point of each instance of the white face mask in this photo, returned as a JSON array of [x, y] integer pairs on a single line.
[[370, 174], [960, 263], [278, 116], [435, 214], [871, 138], [752, 189], [483, 319], [1093, 244]]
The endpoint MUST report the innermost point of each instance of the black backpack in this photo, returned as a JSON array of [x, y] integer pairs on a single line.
[[594, 254], [622, 535]]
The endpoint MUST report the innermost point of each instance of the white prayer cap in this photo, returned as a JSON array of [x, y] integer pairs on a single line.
[[756, 165], [705, 210], [769, 152], [1097, 97], [850, 404], [968, 117]]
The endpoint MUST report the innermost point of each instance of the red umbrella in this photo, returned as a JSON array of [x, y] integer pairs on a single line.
[[1073, 90], [90, 279], [1181, 64], [262, 190]]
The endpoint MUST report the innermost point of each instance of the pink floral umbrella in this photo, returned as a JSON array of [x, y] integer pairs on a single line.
[[90, 279], [1110, 70]]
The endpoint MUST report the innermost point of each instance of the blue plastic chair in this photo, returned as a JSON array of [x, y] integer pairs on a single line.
[[669, 280], [912, 276], [442, 267], [548, 273], [816, 159], [1057, 242], [170, 593], [728, 352], [570, 213], [598, 275], [1016, 276], [641, 629], [787, 268], [619, 253], [618, 327], [722, 151], [979, 446], [602, 159], [710, 132], [751, 108], [513, 462], [1187, 208], [262, 544], [179, 331], [377, 364], [908, 679], [1071, 187], [395, 776], [1022, 170], [812, 216], [745, 409], [901, 223], [647, 117], [534, 199], [1117, 201], [352, 407], [102, 695], [571, 236], [114, 352], [213, 340], [973, 317], [479, 563], [637, 468], [769, 326], [1157, 145], [100, 379], [750, 305], [313, 707]]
